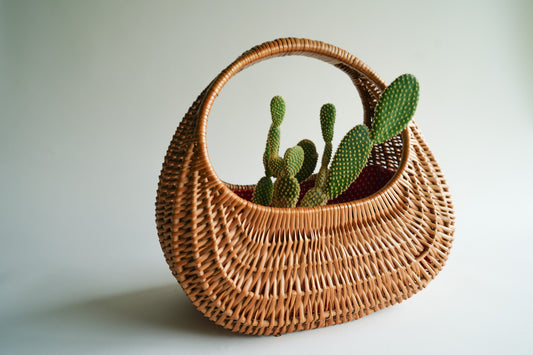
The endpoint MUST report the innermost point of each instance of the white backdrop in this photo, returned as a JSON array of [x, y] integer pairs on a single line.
[[91, 93]]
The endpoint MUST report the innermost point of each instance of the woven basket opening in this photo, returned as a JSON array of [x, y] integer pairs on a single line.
[[383, 164]]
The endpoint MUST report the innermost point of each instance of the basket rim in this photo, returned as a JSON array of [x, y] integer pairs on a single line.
[[283, 47]]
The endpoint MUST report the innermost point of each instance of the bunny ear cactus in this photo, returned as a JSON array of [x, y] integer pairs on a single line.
[[264, 188], [310, 159], [393, 112], [293, 161], [350, 158], [395, 108], [327, 123], [263, 191], [286, 187], [277, 111], [316, 196], [276, 166]]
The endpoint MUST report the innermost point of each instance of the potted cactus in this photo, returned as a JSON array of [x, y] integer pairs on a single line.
[[393, 112]]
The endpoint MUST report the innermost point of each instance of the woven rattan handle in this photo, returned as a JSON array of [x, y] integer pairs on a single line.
[[367, 82]]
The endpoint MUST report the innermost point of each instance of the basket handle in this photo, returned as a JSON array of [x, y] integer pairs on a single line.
[[367, 82]]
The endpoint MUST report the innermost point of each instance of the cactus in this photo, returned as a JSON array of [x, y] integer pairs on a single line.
[[286, 187], [323, 172], [350, 158], [286, 192], [316, 196], [293, 161], [310, 159], [276, 166], [395, 108], [287, 169], [277, 111], [393, 112], [264, 189], [327, 123]]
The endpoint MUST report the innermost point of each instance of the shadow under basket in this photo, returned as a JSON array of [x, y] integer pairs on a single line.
[[264, 270]]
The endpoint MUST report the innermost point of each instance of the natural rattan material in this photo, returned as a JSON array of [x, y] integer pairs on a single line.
[[265, 270]]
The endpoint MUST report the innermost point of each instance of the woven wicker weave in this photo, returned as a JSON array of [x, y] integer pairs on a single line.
[[264, 270]]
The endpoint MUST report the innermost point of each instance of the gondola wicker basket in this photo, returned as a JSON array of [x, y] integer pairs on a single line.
[[265, 270]]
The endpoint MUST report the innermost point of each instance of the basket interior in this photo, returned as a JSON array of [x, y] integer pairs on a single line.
[[383, 163], [371, 180]]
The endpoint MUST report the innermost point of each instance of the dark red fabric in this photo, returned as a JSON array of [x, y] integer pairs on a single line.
[[371, 180]]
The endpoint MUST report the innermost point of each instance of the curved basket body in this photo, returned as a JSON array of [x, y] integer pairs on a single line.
[[264, 270]]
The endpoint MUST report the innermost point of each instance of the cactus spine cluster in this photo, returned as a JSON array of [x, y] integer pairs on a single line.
[[393, 112]]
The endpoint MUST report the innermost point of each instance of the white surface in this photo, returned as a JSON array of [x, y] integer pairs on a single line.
[[91, 93]]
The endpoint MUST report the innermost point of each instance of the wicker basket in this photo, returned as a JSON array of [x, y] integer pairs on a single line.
[[265, 270]]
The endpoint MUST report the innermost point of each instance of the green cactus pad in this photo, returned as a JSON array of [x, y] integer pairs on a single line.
[[327, 121], [286, 192], [321, 177], [350, 158], [272, 148], [310, 159], [395, 108], [314, 197], [277, 110], [263, 191], [326, 156], [275, 165], [293, 160], [323, 172]]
